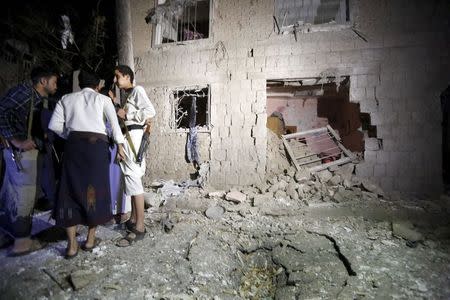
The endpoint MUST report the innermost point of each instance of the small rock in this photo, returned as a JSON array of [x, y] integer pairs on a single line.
[[216, 194], [302, 176], [82, 278], [335, 180], [373, 188], [324, 176], [236, 197], [152, 199], [406, 230], [261, 200], [215, 212]]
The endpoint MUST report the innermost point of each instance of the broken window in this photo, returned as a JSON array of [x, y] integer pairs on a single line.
[[180, 20], [294, 15], [191, 107]]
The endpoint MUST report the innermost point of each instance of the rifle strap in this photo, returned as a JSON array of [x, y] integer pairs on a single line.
[[130, 142], [127, 132]]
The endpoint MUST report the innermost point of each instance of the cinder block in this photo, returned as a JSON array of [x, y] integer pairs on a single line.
[[370, 156], [250, 121], [382, 157], [250, 63], [357, 94], [259, 61], [272, 50], [308, 60], [368, 105], [372, 144], [364, 170], [405, 118], [283, 61], [387, 183], [333, 58], [259, 132], [377, 55], [219, 155], [259, 51], [294, 60], [224, 131], [258, 84], [227, 120], [376, 118], [379, 170], [351, 57], [237, 121], [271, 61]]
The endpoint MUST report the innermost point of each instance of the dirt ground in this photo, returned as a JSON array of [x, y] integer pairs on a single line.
[[361, 248]]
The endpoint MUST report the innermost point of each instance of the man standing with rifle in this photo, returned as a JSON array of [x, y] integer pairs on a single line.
[[23, 136], [134, 114]]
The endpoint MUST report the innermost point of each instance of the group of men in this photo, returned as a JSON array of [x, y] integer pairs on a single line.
[[87, 121]]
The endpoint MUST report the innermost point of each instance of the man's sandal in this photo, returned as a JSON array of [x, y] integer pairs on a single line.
[[130, 226], [132, 237], [89, 249]]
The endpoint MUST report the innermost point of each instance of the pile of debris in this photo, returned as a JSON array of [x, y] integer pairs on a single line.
[[293, 189]]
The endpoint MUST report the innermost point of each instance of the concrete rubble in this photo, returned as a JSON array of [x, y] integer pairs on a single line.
[[296, 236]]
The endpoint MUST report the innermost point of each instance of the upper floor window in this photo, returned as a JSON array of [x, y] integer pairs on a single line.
[[180, 20], [300, 13]]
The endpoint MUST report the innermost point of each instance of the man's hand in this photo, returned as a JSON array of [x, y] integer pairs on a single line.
[[112, 96], [25, 145], [120, 153], [122, 113]]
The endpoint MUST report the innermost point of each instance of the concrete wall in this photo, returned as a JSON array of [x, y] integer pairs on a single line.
[[396, 76]]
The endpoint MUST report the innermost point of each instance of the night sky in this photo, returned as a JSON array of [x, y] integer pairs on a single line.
[[38, 23]]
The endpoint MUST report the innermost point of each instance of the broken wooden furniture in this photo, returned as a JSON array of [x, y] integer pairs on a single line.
[[316, 149]]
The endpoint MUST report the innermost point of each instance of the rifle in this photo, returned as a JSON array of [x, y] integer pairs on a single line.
[[144, 142], [16, 154]]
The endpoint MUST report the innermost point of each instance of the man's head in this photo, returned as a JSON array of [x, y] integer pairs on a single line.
[[44, 80], [123, 76], [88, 79]]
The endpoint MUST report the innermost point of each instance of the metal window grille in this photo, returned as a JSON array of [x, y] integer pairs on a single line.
[[182, 20], [299, 12], [183, 100]]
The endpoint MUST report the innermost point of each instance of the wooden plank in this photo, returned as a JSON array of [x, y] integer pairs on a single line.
[[290, 152], [296, 159], [333, 163], [300, 134]]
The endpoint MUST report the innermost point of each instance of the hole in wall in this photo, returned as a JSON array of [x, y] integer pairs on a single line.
[[296, 105]]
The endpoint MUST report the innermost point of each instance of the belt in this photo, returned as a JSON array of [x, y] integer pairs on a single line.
[[134, 127], [91, 136]]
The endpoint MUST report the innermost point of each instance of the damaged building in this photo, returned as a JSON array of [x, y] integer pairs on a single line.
[[372, 70], [300, 150]]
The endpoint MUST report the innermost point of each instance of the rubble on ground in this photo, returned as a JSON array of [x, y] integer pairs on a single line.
[[297, 235]]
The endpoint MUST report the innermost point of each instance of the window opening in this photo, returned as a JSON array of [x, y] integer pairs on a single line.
[[311, 15], [191, 107], [180, 20]]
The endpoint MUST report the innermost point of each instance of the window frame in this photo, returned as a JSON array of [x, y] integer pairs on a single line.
[[174, 107], [309, 28], [157, 35]]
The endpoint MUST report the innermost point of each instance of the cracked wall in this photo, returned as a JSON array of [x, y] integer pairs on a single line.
[[396, 77]]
